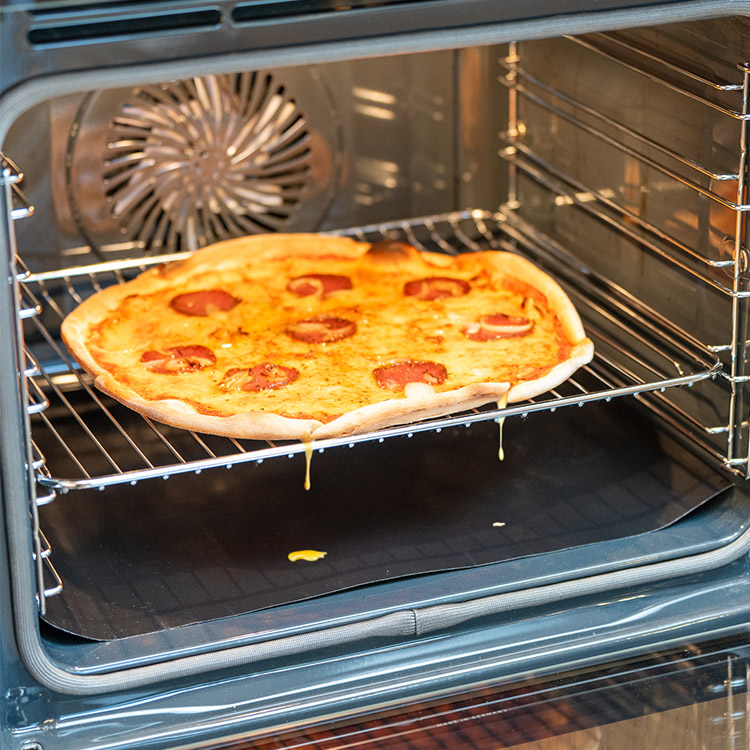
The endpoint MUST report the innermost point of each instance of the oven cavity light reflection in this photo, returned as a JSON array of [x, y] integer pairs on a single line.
[[374, 103], [378, 112], [373, 95], [66, 379], [626, 599], [377, 171], [585, 197]]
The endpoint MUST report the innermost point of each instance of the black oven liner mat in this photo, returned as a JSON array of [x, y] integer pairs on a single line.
[[169, 553]]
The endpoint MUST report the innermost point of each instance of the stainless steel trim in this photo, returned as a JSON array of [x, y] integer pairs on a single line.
[[738, 403], [736, 114], [8, 182], [511, 65], [38, 402], [634, 154], [718, 85], [45, 554], [12, 175], [598, 208]]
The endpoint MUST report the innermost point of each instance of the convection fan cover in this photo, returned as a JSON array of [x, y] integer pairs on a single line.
[[181, 165]]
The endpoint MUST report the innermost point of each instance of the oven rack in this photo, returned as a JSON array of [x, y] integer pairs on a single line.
[[21, 206], [675, 76], [84, 440], [600, 206], [48, 581], [670, 164], [659, 402]]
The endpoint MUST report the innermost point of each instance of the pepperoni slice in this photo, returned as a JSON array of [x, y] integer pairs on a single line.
[[179, 359], [318, 283], [203, 302], [498, 326], [436, 287], [322, 330], [395, 377], [263, 377]]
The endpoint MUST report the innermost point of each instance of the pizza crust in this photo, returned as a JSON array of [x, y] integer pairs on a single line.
[[417, 404], [420, 400]]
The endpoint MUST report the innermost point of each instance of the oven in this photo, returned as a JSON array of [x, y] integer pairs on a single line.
[[147, 597]]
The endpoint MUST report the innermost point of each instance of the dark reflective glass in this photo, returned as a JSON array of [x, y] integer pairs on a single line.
[[695, 698]]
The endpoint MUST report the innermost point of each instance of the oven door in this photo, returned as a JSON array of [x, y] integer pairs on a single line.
[[410, 633]]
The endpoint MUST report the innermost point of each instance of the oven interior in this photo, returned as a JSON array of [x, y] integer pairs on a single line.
[[617, 161]]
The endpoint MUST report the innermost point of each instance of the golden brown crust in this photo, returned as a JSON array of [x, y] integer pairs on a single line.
[[419, 400]]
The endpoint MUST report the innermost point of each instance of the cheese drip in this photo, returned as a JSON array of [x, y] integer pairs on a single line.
[[308, 461], [501, 404]]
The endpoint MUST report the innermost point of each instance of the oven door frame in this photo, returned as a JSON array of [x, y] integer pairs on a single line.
[[444, 646]]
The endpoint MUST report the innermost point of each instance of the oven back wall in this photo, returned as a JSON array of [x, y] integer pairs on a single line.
[[336, 145]]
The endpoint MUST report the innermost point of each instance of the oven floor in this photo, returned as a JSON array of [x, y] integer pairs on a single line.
[[170, 553]]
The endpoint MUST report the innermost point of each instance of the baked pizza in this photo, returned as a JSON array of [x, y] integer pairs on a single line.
[[305, 336]]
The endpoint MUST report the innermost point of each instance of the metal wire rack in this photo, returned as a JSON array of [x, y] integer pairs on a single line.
[[48, 579], [699, 176], [13, 176], [670, 192], [84, 440]]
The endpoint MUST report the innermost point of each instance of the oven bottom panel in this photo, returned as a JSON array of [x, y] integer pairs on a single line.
[[199, 548]]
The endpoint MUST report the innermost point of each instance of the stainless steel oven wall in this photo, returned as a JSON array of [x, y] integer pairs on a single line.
[[329, 146], [631, 158]]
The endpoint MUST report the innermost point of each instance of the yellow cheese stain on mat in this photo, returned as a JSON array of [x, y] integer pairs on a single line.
[[308, 555]]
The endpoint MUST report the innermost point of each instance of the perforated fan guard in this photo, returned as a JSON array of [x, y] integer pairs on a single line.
[[181, 165]]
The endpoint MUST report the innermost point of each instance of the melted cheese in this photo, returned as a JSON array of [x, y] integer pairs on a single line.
[[334, 377], [501, 404], [308, 555], [308, 461]]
